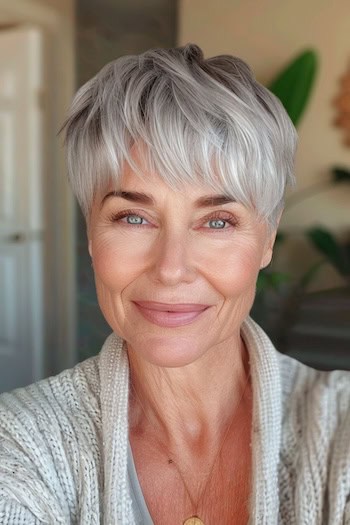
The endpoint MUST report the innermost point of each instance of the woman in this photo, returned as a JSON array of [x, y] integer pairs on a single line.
[[188, 414]]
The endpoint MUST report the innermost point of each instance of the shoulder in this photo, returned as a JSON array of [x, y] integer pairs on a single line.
[[57, 401], [315, 446], [47, 431], [303, 386]]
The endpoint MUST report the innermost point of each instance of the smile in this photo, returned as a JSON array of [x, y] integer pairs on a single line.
[[170, 315]]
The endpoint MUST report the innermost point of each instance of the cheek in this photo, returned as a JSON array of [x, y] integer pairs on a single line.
[[235, 271], [114, 266]]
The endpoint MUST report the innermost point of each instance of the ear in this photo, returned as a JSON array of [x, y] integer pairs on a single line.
[[270, 242], [90, 248], [268, 249]]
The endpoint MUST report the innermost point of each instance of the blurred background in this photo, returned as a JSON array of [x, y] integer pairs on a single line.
[[49, 317]]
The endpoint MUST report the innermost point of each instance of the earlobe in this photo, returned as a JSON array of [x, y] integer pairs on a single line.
[[90, 248], [266, 259]]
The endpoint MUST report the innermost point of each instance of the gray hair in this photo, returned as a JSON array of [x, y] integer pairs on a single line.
[[201, 120]]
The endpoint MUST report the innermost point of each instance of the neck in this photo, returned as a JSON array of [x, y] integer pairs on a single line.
[[191, 404]]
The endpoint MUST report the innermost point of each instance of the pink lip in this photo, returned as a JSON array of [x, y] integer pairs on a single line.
[[170, 315], [172, 307]]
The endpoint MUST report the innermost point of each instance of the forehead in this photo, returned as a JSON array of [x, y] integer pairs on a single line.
[[140, 176]]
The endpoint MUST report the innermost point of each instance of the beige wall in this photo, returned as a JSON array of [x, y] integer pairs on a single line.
[[56, 19], [267, 34]]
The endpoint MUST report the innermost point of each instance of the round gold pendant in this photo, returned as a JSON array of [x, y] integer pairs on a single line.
[[193, 520]]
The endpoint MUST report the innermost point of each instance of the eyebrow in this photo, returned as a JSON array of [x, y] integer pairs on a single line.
[[142, 198]]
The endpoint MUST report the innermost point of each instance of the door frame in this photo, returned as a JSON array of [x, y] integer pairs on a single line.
[[57, 21]]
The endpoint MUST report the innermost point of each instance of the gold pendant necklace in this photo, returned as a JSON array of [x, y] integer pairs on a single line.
[[194, 519]]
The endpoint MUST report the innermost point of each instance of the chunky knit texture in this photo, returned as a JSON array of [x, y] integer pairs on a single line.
[[63, 443]]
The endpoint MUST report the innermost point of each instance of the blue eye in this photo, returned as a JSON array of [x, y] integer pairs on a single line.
[[217, 224], [128, 217], [134, 219], [221, 222]]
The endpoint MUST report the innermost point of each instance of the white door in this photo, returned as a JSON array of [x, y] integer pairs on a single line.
[[21, 217]]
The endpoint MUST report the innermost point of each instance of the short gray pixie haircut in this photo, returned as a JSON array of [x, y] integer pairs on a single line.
[[202, 121]]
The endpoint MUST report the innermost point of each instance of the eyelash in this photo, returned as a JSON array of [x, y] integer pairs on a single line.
[[116, 217]]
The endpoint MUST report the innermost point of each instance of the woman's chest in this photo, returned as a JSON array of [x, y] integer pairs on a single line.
[[173, 494]]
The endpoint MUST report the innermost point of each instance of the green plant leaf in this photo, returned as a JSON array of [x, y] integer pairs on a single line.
[[280, 237], [294, 84], [278, 278], [267, 280], [309, 275], [326, 243], [262, 282], [340, 175]]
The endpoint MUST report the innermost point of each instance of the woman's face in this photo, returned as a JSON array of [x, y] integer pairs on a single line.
[[175, 271]]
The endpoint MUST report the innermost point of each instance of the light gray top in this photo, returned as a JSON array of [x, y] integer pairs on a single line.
[[141, 512]]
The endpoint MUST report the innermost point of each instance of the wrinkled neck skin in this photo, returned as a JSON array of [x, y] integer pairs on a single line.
[[191, 404]]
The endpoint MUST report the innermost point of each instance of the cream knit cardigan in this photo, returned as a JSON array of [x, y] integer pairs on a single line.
[[63, 443]]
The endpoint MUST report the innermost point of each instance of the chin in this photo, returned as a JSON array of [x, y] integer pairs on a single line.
[[166, 352]]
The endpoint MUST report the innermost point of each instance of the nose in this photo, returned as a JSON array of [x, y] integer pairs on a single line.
[[172, 257]]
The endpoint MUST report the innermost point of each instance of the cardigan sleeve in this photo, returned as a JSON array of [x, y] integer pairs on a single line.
[[31, 492], [50, 450], [339, 461], [314, 467]]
